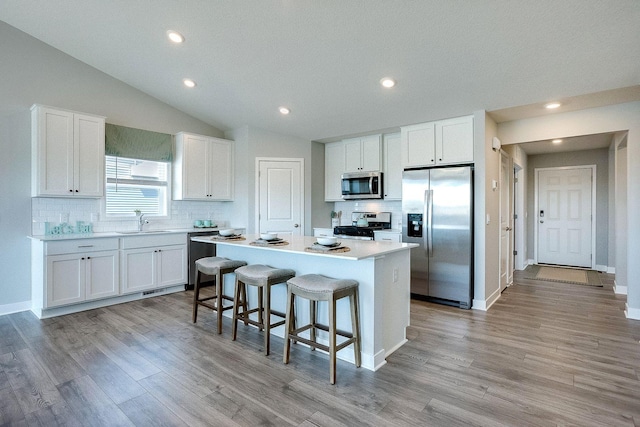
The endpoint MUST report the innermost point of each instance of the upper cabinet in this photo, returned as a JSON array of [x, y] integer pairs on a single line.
[[67, 151], [202, 168], [333, 170], [362, 154], [438, 143], [392, 167]]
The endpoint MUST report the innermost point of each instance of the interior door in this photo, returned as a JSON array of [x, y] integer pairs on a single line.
[[565, 216], [281, 198], [505, 221]]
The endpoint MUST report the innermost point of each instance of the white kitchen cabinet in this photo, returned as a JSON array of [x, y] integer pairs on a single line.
[[79, 270], [67, 153], [202, 168], [333, 170], [437, 143], [387, 236], [392, 167], [150, 262], [362, 154]]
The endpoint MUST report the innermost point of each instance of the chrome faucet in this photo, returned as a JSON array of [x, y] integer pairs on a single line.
[[141, 222]]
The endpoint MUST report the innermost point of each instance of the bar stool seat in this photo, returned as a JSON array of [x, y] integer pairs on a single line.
[[315, 287], [218, 267], [264, 277]]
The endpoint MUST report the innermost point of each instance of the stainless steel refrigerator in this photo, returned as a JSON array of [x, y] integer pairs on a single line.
[[437, 211]]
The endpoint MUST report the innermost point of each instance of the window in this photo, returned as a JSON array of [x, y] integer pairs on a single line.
[[134, 184]]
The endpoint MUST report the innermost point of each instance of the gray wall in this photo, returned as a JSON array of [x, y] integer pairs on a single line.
[[600, 158], [33, 72]]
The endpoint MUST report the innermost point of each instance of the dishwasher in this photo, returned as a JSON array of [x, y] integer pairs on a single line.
[[196, 251]]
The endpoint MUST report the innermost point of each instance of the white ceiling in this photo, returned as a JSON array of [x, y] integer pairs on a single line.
[[323, 59]]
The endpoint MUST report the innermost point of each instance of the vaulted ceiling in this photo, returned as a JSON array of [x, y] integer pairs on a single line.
[[323, 59]]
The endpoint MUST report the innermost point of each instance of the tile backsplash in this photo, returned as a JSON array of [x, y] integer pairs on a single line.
[[182, 214]]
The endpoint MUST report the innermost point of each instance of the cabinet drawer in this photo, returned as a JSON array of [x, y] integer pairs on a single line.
[[80, 246], [131, 242], [387, 236]]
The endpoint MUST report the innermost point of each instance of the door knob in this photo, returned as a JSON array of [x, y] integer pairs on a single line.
[[541, 222], [296, 225]]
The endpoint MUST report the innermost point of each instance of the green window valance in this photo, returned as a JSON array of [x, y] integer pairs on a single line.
[[133, 143]]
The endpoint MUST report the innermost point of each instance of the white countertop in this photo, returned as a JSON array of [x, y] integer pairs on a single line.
[[75, 236], [360, 249]]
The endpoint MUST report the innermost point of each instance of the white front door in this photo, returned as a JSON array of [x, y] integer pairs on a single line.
[[505, 221], [564, 216], [281, 196]]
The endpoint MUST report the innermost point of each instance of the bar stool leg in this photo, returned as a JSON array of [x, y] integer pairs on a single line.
[[267, 319], [355, 325], [332, 340], [236, 304], [243, 295], [219, 284], [196, 295], [313, 311], [288, 326]]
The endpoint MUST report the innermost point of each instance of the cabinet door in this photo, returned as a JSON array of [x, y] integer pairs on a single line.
[[392, 178], [195, 159], [138, 270], [52, 148], [88, 137], [454, 141], [220, 169], [418, 145], [172, 265], [352, 155], [102, 276], [370, 150], [333, 170], [65, 280]]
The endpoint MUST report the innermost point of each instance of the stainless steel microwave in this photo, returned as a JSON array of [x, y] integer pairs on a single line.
[[362, 185]]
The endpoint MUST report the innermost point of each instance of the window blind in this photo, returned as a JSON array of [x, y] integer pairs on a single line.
[[121, 141]]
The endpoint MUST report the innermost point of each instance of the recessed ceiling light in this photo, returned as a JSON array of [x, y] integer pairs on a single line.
[[556, 141], [175, 36], [189, 83], [387, 82], [552, 105], [284, 110]]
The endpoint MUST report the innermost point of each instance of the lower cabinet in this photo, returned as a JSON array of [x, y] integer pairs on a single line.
[[71, 275], [148, 268], [75, 278]]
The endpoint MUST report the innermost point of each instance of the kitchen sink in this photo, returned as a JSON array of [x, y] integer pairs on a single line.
[[142, 232]]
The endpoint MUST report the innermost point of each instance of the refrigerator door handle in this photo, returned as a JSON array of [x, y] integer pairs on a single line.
[[430, 222]]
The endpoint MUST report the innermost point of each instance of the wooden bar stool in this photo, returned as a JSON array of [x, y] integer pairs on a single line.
[[263, 277], [316, 287], [218, 267]]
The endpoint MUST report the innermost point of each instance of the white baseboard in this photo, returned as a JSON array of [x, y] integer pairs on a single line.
[[530, 262], [15, 307], [619, 289], [485, 305], [632, 313], [601, 268], [611, 270]]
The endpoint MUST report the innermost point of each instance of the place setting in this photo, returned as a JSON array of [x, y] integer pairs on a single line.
[[327, 245], [269, 239], [226, 234]]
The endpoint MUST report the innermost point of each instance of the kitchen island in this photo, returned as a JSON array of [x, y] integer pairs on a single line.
[[381, 268]]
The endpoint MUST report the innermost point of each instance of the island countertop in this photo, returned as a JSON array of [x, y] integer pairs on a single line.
[[359, 249]]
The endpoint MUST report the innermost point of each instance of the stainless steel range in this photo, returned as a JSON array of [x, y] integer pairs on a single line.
[[363, 224]]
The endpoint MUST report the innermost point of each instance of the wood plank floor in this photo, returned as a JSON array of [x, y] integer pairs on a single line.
[[546, 354]]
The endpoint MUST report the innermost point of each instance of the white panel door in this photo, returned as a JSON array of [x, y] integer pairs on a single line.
[[505, 221], [281, 198], [565, 216], [102, 276], [55, 166], [195, 162], [172, 265], [88, 155]]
